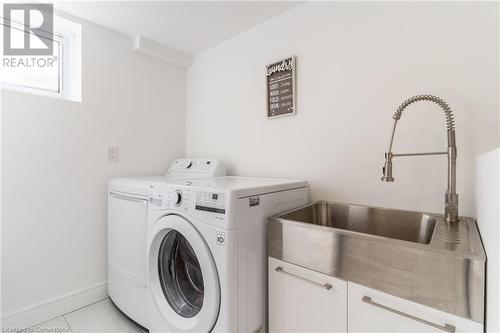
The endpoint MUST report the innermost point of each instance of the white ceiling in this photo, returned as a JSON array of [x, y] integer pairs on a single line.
[[187, 26]]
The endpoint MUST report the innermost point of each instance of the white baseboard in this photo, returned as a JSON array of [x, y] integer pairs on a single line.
[[55, 307]]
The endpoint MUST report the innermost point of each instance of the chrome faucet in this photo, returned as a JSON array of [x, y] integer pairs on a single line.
[[451, 197]]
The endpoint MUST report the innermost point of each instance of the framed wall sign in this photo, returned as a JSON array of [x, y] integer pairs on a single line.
[[281, 88]]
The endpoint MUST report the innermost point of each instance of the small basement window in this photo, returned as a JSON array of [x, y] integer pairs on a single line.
[[56, 75]]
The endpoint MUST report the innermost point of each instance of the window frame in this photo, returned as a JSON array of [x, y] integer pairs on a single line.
[[65, 33]]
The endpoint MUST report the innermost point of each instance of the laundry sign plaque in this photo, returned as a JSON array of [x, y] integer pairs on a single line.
[[281, 88]]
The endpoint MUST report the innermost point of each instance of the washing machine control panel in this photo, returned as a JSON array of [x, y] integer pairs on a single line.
[[195, 168], [162, 196], [208, 206], [213, 202]]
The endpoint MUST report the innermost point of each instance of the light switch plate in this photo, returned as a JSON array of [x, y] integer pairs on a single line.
[[112, 154]]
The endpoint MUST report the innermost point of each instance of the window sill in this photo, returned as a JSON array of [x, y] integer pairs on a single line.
[[39, 92]]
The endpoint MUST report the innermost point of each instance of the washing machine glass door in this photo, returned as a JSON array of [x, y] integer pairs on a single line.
[[184, 279], [180, 275]]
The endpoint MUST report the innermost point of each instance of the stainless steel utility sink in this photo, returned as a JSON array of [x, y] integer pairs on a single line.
[[404, 225], [414, 255]]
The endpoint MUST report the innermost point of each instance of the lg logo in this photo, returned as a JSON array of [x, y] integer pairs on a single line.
[[41, 32]]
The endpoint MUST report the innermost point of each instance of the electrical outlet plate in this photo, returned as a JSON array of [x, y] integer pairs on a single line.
[[112, 154]]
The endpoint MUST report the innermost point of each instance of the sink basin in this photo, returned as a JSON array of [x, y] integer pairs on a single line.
[[413, 255], [404, 225]]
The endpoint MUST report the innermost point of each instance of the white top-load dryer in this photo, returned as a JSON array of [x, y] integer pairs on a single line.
[[127, 219], [206, 243]]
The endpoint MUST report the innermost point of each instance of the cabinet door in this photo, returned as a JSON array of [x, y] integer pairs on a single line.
[[374, 311], [301, 300]]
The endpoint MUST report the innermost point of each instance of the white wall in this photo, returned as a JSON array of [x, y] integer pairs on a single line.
[[54, 172], [356, 63], [488, 219]]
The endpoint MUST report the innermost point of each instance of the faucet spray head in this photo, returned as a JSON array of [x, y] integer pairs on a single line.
[[387, 169]]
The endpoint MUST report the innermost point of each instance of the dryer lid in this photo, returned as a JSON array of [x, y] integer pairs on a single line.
[[243, 186], [179, 169], [135, 186]]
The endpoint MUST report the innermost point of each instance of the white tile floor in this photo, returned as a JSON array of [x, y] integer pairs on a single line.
[[95, 318]]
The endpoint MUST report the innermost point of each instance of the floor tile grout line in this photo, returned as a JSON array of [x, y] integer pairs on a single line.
[[64, 314], [69, 326], [66, 324], [86, 306], [43, 322], [136, 329]]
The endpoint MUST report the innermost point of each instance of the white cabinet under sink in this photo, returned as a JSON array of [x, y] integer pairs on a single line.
[[301, 300], [371, 311]]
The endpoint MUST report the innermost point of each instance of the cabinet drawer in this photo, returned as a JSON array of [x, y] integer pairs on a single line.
[[374, 311], [302, 300]]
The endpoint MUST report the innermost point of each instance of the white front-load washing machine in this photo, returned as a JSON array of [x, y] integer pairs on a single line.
[[127, 220], [206, 243]]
